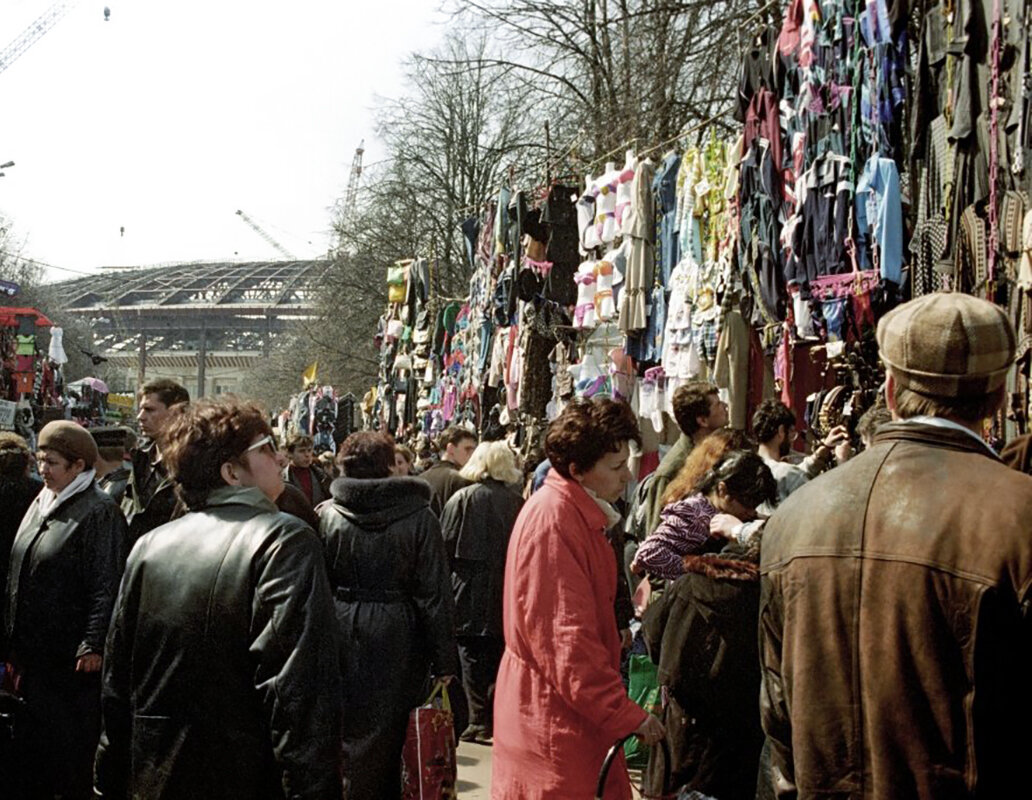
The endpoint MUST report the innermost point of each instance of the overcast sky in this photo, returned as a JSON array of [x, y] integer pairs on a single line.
[[172, 115]]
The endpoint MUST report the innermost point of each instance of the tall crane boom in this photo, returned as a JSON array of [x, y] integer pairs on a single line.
[[47, 20], [347, 209], [272, 242]]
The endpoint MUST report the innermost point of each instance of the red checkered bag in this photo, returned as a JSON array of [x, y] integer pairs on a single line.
[[428, 770]]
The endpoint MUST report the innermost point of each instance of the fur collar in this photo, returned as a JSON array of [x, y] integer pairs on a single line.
[[379, 502], [721, 567]]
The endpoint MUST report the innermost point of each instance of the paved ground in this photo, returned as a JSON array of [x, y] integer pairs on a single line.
[[474, 761]]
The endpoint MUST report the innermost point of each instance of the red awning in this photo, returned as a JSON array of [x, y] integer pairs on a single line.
[[9, 316]]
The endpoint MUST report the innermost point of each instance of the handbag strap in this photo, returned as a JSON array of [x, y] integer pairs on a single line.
[[439, 688]]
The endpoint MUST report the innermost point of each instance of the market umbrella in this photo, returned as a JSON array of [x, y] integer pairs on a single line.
[[96, 384]]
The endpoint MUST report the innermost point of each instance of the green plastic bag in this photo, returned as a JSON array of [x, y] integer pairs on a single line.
[[643, 689]]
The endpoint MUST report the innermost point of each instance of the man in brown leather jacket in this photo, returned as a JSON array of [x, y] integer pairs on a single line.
[[895, 592]]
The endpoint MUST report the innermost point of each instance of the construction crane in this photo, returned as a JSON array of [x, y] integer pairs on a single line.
[[272, 242], [346, 211], [47, 20], [351, 197]]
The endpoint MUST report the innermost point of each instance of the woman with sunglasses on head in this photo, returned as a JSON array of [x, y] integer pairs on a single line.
[[395, 612], [221, 675], [64, 568]]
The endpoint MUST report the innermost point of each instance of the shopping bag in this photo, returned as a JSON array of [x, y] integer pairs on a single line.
[[643, 689], [428, 770]]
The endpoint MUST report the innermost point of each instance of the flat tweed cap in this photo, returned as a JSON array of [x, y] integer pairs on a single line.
[[70, 440], [947, 344]]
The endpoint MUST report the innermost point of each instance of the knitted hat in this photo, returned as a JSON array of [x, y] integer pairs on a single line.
[[70, 440], [947, 344]]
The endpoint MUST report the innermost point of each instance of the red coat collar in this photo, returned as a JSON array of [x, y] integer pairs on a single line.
[[573, 493]]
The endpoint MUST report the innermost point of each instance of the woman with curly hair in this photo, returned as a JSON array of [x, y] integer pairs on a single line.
[[559, 700]]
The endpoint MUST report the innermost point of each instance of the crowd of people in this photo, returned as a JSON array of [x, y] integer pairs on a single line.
[[210, 612]]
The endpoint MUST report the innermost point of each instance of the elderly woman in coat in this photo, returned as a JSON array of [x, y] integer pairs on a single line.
[[389, 573], [64, 569], [476, 523], [559, 700]]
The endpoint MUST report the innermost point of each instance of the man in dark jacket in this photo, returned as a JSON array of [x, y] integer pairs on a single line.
[[303, 473], [17, 489], [150, 498], [702, 635], [895, 634], [221, 674], [455, 445], [113, 444]]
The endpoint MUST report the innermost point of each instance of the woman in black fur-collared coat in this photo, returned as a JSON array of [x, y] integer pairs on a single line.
[[392, 589], [703, 635]]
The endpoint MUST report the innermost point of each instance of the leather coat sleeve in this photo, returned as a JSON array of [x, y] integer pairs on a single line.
[[453, 520], [434, 602], [103, 557], [295, 647], [111, 766], [773, 704]]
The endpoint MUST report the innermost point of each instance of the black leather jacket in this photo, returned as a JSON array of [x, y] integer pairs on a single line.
[[114, 483], [63, 579], [150, 497], [221, 676]]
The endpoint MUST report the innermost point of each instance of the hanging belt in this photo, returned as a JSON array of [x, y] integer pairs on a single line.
[[994, 155]]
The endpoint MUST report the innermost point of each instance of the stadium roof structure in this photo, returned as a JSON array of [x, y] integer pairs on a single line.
[[178, 313]]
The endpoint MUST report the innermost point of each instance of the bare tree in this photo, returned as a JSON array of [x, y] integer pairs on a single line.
[[620, 71]]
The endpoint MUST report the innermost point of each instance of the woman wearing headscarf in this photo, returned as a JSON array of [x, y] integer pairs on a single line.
[[559, 700], [65, 565], [476, 524], [392, 587]]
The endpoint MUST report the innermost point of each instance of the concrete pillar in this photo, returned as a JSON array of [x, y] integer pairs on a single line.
[[141, 363], [202, 357]]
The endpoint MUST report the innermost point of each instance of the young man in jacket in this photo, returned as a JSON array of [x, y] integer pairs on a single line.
[[150, 498], [221, 676], [113, 444], [698, 411], [303, 473], [456, 445], [894, 626]]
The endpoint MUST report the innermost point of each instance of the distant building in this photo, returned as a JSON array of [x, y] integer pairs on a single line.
[[205, 325]]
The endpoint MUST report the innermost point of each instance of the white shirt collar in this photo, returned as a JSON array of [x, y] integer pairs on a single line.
[[940, 422]]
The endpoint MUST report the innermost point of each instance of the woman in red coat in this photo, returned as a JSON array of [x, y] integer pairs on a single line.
[[559, 700]]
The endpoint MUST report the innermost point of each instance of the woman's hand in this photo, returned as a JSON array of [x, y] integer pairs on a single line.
[[651, 730], [88, 663], [722, 526]]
